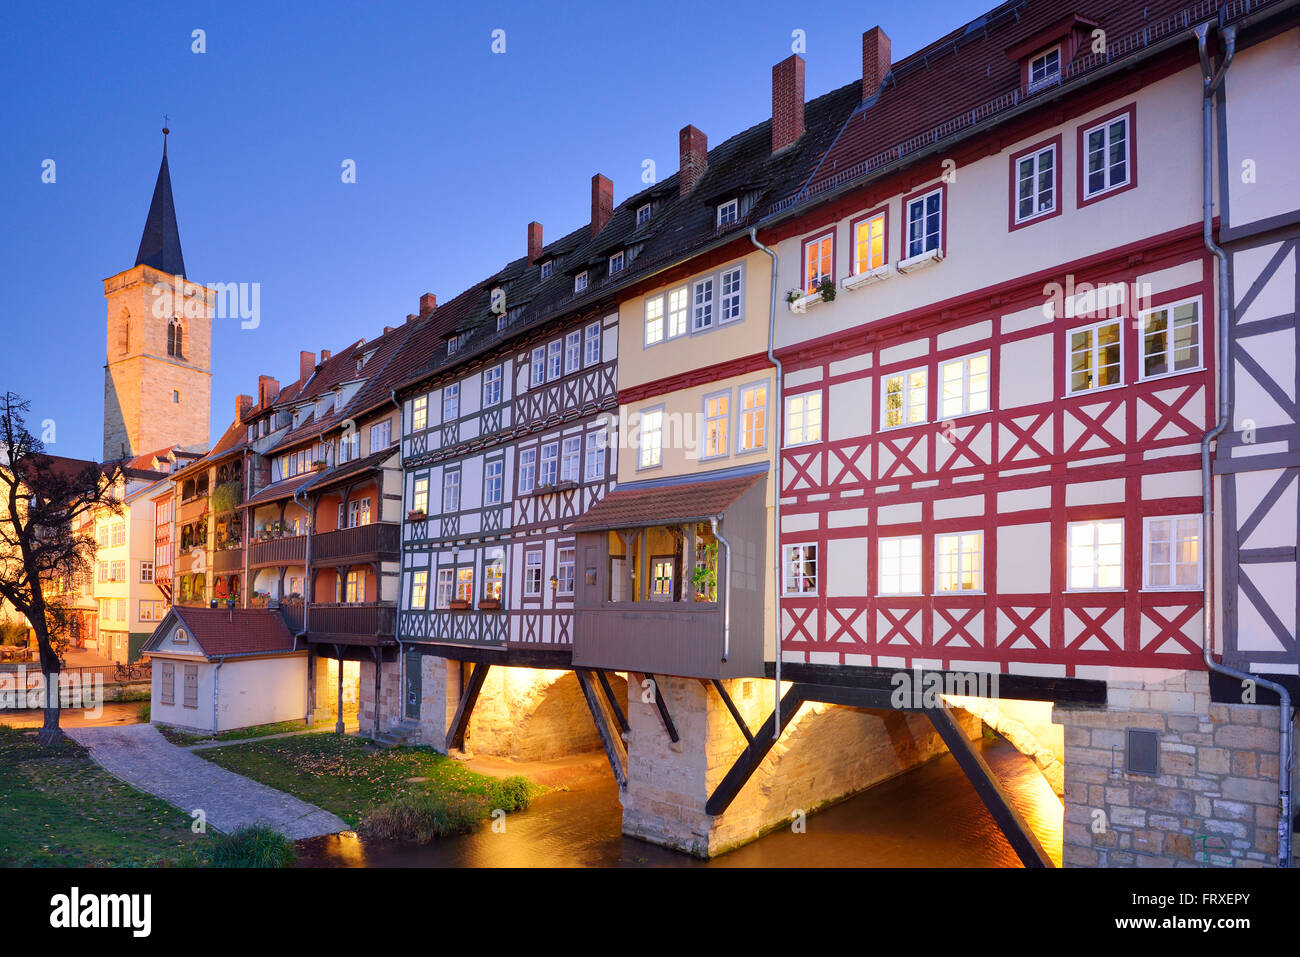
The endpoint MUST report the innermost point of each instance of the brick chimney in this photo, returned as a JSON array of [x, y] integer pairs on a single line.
[[325, 355], [787, 102], [694, 159], [602, 202], [267, 389], [875, 61], [535, 238], [243, 406], [428, 303], [388, 329], [306, 365]]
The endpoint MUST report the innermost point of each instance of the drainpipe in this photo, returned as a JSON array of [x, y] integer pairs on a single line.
[[726, 590], [776, 490], [216, 695], [401, 655], [309, 586], [1213, 80]]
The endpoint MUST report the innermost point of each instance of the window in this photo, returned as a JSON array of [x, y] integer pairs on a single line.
[[728, 212], [900, 565], [703, 314], [450, 403], [554, 360], [800, 569], [105, 608], [1094, 356], [167, 690], [451, 490], [539, 366], [818, 261], [121, 609], [1106, 156], [580, 282], [420, 414], [573, 351], [591, 344], [533, 574], [445, 588], [349, 447], [381, 435], [152, 610], [465, 584], [118, 572], [732, 295], [959, 562], [420, 590], [550, 459], [354, 590], [663, 571], [119, 533], [146, 572], [679, 301], [1171, 551], [594, 470], [527, 470], [494, 569], [905, 398], [175, 339], [924, 223], [191, 682], [803, 418], [616, 262], [1096, 554], [654, 320], [570, 458], [1045, 68], [491, 388], [564, 571], [964, 385], [420, 500], [1035, 177], [652, 438], [868, 243], [753, 417], [717, 424], [453, 344], [492, 481], [358, 512], [1171, 339], [101, 536], [643, 214], [547, 268]]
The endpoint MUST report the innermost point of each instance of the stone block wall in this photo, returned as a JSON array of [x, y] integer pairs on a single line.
[[390, 696]]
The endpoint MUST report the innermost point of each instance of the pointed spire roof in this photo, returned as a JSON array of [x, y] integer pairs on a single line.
[[160, 246]]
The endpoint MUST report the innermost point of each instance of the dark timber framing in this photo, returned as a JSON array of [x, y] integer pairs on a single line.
[[468, 698], [613, 750], [662, 706]]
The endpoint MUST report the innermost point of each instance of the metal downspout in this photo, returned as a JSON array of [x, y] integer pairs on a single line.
[[216, 696], [726, 590], [309, 586], [776, 478], [1213, 80]]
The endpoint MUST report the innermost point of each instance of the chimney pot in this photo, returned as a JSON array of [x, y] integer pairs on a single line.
[[694, 159], [602, 202], [787, 102], [306, 365], [428, 303], [388, 329], [325, 355], [875, 61], [535, 240]]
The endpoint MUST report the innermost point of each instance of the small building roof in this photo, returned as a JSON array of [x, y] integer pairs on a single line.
[[227, 632], [674, 501]]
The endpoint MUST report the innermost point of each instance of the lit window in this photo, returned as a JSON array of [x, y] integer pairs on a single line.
[[538, 366], [354, 592], [445, 588], [451, 490], [533, 574], [818, 262], [419, 589], [420, 500], [1094, 356], [573, 351], [643, 214], [905, 398], [652, 426], [800, 570], [591, 344], [869, 244], [654, 320], [732, 295], [1171, 549], [1106, 149], [570, 458], [959, 562], [1096, 554], [616, 262], [703, 313], [803, 418], [358, 512], [728, 212], [753, 417], [717, 424], [465, 584], [1036, 184], [580, 281], [595, 465], [550, 460], [527, 470], [554, 360], [924, 223], [1171, 339], [662, 575], [679, 302], [450, 403], [492, 481], [564, 571], [900, 565], [119, 533], [420, 414], [494, 565], [1045, 68], [964, 385], [491, 387]]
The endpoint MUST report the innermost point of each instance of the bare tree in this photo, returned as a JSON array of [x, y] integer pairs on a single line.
[[47, 536]]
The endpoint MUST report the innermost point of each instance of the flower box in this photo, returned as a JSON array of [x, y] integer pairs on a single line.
[[489, 604], [416, 515], [879, 274], [913, 263], [458, 604]]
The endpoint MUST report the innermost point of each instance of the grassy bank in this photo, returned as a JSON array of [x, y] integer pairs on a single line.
[[186, 738]]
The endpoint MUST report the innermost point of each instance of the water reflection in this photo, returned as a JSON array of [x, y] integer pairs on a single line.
[[930, 817]]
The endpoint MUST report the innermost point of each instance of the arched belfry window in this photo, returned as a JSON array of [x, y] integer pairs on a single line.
[[175, 339]]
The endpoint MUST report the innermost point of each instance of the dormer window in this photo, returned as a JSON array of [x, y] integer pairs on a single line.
[[728, 212], [580, 281], [616, 262], [1045, 68], [643, 214], [548, 267], [453, 345]]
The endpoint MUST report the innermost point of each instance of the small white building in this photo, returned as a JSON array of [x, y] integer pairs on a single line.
[[217, 669]]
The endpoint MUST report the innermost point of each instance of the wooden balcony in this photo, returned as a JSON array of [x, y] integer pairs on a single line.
[[228, 560], [378, 541], [368, 624], [291, 550]]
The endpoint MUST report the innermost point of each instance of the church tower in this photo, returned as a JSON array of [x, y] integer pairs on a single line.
[[157, 377]]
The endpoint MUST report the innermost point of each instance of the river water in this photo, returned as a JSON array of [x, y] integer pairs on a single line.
[[928, 817]]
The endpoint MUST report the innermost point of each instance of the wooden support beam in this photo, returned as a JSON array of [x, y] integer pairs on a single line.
[[662, 706], [613, 751], [989, 789], [613, 702], [379, 667], [468, 698], [735, 712], [748, 761], [338, 725]]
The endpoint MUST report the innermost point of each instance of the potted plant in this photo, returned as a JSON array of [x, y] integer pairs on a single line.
[[319, 465], [826, 286], [793, 295], [705, 576], [416, 515]]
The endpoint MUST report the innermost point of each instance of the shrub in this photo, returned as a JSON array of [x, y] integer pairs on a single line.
[[423, 817], [145, 711], [511, 794], [255, 846]]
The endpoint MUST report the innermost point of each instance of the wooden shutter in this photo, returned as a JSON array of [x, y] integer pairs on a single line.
[[191, 686], [167, 691]]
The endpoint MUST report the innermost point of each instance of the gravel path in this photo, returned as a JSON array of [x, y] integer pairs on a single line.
[[144, 759]]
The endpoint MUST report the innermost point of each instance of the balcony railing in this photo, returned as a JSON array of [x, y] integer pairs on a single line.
[[372, 620], [376, 540], [279, 551], [228, 560]]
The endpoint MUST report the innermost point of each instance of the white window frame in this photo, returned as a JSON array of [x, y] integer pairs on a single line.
[[1095, 546], [554, 360], [492, 379], [1035, 161], [565, 583], [728, 212], [494, 585], [650, 456], [908, 390], [572, 351], [450, 490], [655, 320], [533, 573], [907, 225], [420, 414], [965, 397], [870, 222], [580, 282], [494, 471], [787, 567], [381, 435], [1105, 127], [537, 366], [799, 408], [450, 402], [1172, 564], [702, 304], [527, 470], [731, 304], [594, 464], [548, 266], [548, 465], [678, 311], [419, 586], [591, 344], [744, 429], [889, 541], [724, 446], [571, 458], [640, 219], [962, 559], [146, 573], [616, 263], [420, 490], [1168, 352], [444, 588], [1049, 76], [1093, 328]]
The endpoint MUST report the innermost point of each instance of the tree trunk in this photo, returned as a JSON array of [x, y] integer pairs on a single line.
[[50, 733]]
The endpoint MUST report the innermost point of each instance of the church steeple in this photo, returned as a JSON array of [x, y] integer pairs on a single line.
[[160, 246]]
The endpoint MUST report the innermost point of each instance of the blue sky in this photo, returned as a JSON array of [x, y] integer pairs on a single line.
[[456, 149]]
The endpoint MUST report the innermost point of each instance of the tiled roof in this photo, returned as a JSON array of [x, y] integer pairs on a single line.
[[667, 502], [284, 489], [236, 631], [355, 467]]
